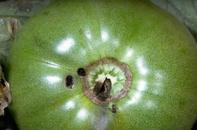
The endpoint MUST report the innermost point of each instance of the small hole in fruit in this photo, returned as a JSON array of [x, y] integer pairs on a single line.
[[81, 72], [114, 108], [69, 81]]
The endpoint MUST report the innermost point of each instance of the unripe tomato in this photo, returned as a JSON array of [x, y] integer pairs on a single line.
[[104, 65]]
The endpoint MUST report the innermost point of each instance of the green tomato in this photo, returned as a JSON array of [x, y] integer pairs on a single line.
[[104, 65]]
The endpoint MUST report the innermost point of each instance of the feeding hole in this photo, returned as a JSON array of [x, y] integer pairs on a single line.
[[81, 72], [114, 108], [69, 81]]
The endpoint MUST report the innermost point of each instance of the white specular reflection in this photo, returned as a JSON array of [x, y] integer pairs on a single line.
[[52, 64], [158, 76], [88, 34], [65, 45], [69, 105], [143, 70], [115, 42], [142, 85], [104, 35], [82, 114], [82, 52], [135, 98], [52, 79], [158, 80], [158, 84], [150, 104], [101, 121], [128, 54]]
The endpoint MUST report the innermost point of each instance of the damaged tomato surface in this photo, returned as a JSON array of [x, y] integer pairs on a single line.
[[104, 65]]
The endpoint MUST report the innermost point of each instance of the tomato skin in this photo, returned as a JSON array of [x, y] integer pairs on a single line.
[[161, 55]]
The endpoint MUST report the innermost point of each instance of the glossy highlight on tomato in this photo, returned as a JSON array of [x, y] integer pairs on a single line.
[[104, 65]]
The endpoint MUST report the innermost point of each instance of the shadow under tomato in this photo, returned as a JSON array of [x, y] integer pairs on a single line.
[[7, 121]]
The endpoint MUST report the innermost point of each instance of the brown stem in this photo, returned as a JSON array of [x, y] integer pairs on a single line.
[[102, 90]]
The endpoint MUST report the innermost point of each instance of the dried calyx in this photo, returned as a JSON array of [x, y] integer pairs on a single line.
[[106, 80], [5, 95]]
